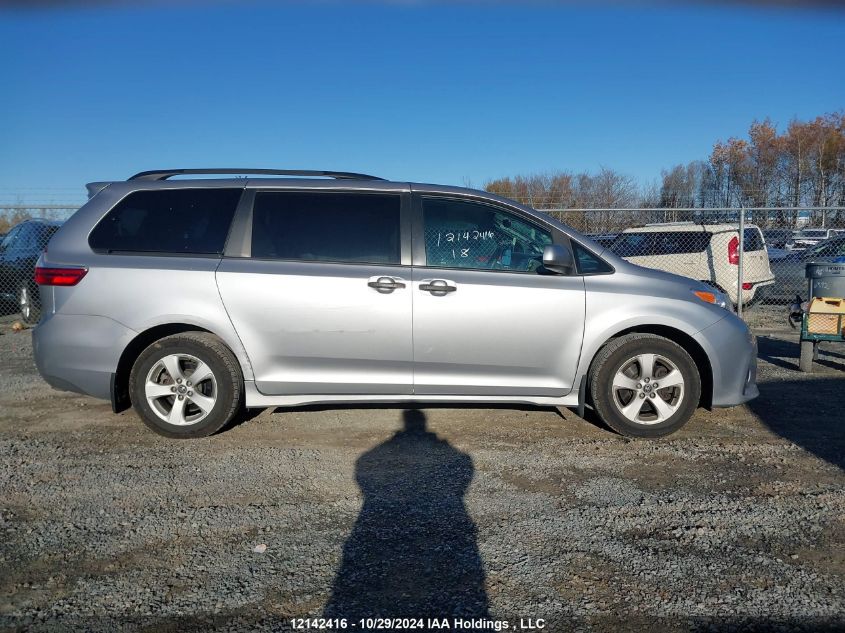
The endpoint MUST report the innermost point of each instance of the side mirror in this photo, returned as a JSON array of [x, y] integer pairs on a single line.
[[558, 259]]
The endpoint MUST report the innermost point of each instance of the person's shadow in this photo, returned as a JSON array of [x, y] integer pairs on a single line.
[[413, 550]]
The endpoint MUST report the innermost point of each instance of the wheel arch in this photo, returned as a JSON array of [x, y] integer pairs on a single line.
[[687, 342], [120, 398]]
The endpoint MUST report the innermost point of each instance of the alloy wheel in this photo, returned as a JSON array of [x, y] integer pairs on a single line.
[[181, 389], [648, 389]]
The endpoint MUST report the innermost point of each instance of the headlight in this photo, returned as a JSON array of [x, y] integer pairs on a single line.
[[715, 297]]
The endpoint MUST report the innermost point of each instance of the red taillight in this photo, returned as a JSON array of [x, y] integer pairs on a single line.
[[747, 285], [59, 276], [733, 251]]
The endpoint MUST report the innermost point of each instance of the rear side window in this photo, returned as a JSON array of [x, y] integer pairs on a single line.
[[357, 228], [753, 240], [677, 242], [633, 244], [179, 221], [660, 243]]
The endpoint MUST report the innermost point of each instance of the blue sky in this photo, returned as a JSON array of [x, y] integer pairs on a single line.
[[423, 92]]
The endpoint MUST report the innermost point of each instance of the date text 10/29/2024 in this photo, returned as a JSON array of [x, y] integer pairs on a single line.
[[419, 624]]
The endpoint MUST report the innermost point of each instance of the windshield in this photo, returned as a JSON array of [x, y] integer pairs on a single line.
[[829, 248], [10, 238]]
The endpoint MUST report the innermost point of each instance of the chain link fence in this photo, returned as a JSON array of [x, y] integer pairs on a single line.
[[25, 231], [760, 269]]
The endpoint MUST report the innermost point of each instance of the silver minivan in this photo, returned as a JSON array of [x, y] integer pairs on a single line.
[[190, 299]]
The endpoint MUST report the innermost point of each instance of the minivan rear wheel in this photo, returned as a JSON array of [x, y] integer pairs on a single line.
[[187, 385], [644, 385]]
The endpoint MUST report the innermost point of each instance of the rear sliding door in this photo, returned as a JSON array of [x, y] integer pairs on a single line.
[[320, 297]]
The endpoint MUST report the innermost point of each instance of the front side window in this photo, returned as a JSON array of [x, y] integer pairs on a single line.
[[178, 221], [465, 234], [357, 228]]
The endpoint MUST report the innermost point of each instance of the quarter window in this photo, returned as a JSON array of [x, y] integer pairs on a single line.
[[589, 264], [189, 221], [464, 234], [357, 228]]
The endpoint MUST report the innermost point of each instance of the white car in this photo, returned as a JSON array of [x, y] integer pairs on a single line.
[[805, 238], [704, 252]]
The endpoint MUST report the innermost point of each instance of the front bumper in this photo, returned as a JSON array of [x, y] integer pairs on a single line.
[[732, 350]]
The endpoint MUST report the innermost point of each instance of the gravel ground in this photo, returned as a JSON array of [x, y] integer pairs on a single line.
[[735, 523]]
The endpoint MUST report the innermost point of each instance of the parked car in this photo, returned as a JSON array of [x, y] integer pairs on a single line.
[[789, 270], [777, 238], [189, 299], [706, 252], [805, 238], [19, 251]]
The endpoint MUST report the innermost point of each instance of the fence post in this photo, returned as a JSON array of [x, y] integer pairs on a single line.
[[741, 262]]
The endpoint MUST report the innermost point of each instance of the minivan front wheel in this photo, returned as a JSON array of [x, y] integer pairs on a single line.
[[644, 385], [186, 385]]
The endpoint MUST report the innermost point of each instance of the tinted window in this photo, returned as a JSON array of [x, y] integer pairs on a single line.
[[463, 234], [832, 248], [676, 242], [633, 244], [33, 237], [753, 240], [660, 243], [327, 227], [589, 264], [11, 238], [192, 221]]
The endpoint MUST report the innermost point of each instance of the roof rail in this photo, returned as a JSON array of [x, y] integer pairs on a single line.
[[164, 174]]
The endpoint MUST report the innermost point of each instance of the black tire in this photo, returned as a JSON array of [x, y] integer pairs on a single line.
[[619, 353], [226, 385], [805, 359], [29, 303]]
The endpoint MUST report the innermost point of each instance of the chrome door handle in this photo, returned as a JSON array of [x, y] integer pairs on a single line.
[[385, 285], [437, 286]]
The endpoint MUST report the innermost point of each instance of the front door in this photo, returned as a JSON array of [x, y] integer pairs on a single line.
[[322, 302], [487, 321]]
